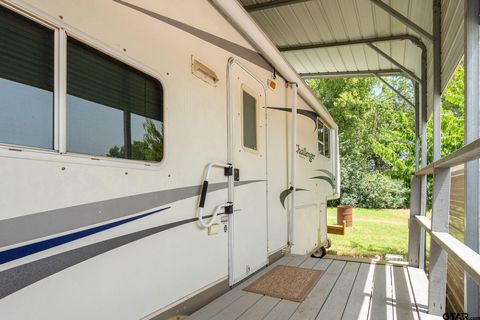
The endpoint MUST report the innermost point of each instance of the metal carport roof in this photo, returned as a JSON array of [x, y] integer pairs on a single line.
[[346, 37]]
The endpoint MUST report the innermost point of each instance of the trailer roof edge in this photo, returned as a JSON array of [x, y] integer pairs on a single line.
[[236, 14]]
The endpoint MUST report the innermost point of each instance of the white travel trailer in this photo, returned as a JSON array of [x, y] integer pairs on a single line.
[[148, 156]]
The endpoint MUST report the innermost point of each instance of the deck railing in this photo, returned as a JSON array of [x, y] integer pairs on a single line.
[[442, 243]]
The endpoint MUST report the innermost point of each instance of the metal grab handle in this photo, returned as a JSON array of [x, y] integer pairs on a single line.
[[203, 195]]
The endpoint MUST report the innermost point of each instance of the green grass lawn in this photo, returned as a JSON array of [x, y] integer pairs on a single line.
[[374, 232]]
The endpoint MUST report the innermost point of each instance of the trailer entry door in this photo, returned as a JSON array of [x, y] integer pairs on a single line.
[[247, 150]]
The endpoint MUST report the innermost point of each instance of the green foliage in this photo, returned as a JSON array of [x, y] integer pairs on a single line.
[[150, 149], [373, 189], [376, 139], [453, 96], [152, 142], [452, 113], [452, 122], [377, 135]]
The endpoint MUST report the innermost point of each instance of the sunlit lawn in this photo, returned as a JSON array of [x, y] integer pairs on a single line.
[[374, 232]]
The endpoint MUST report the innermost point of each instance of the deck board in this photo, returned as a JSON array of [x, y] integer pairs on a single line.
[[312, 304], [296, 261], [347, 290], [419, 283], [322, 264], [282, 310], [382, 296], [358, 304], [404, 302], [217, 305], [238, 307], [337, 300], [228, 298], [309, 263], [285, 308], [260, 309]]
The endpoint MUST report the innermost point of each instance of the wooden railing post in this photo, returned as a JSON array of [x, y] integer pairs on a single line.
[[414, 229], [423, 212], [437, 286], [472, 183]]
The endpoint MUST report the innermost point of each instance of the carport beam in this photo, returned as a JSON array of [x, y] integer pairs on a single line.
[[415, 40], [395, 90], [409, 73], [271, 4], [400, 17], [306, 46], [359, 73]]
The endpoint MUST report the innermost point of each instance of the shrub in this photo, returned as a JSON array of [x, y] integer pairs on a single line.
[[365, 189]]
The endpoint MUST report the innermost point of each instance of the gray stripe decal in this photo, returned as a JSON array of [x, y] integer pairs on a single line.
[[14, 279], [232, 47], [285, 193], [327, 179], [37, 225], [328, 173], [17, 278]]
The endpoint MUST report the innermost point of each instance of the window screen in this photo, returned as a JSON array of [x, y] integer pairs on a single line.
[[26, 81], [327, 143], [113, 110], [323, 139], [320, 137], [249, 121]]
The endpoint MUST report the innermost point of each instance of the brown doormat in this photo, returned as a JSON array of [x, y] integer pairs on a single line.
[[291, 283]]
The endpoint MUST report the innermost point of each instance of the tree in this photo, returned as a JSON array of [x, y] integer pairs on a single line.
[[374, 132], [377, 134], [150, 149]]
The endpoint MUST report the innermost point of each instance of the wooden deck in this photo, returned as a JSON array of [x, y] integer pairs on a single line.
[[347, 290]]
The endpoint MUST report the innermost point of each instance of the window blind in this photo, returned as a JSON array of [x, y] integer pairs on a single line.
[[94, 76]]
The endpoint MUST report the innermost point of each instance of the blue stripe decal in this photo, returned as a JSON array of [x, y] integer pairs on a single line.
[[26, 250]]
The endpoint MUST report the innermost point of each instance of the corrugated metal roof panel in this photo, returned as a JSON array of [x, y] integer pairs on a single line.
[[326, 21], [452, 37]]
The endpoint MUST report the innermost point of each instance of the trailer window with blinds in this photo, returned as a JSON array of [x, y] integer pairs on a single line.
[[249, 117], [323, 135], [26, 82], [113, 110]]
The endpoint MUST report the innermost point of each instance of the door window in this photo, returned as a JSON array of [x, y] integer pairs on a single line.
[[249, 110]]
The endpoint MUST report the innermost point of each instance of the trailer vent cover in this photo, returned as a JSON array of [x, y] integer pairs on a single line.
[[203, 72]]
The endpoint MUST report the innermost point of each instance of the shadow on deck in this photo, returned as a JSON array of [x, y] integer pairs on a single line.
[[347, 290]]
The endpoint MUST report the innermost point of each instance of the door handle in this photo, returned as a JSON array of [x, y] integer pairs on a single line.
[[228, 168]]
